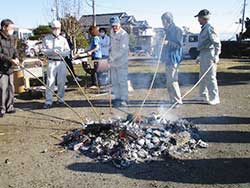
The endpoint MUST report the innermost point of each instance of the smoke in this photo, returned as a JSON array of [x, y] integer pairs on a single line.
[[169, 116]]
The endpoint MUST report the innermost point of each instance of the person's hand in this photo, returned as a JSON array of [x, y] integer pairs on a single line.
[[89, 53], [198, 60], [56, 51], [216, 59], [15, 62], [110, 60]]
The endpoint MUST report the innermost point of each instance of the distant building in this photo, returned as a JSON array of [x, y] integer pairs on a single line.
[[140, 29], [102, 21]]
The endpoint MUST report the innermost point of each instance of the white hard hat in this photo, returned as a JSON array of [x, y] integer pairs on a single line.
[[55, 24]]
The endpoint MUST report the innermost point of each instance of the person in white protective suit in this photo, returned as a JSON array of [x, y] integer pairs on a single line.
[[209, 46], [54, 44], [119, 62]]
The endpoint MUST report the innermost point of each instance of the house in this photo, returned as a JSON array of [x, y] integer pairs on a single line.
[[102, 21], [139, 29]]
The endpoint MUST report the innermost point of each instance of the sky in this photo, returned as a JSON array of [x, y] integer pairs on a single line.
[[31, 13]]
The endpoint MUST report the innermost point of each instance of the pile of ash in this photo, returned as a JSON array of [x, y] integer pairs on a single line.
[[125, 142]]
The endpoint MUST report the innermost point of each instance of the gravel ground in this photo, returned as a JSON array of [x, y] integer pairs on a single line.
[[30, 155]]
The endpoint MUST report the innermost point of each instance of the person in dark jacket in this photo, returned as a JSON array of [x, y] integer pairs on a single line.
[[69, 58], [8, 58]]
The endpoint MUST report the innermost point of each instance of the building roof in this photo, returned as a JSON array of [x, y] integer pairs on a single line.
[[103, 19]]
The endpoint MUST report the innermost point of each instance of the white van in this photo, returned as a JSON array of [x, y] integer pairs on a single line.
[[22, 33], [190, 43]]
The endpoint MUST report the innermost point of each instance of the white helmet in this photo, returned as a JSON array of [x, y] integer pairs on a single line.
[[55, 24]]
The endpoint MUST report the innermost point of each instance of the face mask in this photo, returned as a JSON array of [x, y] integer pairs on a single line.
[[102, 34], [56, 32], [10, 32]]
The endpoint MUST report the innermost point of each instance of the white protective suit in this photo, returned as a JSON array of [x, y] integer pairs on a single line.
[[210, 47], [119, 63], [56, 67]]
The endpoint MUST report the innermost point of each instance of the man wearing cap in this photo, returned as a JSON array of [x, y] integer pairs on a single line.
[[209, 46], [8, 58], [172, 56], [119, 62], [54, 44]]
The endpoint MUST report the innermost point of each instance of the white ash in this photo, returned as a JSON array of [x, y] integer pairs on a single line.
[[125, 142]]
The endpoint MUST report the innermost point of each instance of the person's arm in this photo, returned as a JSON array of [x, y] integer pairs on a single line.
[[65, 51], [45, 48], [96, 42], [11, 60], [3, 57], [15, 54], [216, 43]]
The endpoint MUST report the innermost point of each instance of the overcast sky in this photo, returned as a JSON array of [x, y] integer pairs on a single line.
[[31, 13]]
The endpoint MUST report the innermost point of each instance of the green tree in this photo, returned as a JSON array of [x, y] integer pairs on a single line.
[[132, 41], [72, 28], [40, 32]]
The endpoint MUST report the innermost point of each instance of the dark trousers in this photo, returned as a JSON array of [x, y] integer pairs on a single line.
[[6, 93], [70, 65]]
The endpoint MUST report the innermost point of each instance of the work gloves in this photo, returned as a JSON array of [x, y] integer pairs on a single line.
[[216, 59], [198, 59]]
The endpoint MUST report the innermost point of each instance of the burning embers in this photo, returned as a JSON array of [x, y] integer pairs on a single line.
[[125, 142]]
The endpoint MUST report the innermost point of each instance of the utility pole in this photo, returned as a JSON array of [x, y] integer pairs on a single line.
[[243, 16], [94, 12], [79, 9], [57, 9]]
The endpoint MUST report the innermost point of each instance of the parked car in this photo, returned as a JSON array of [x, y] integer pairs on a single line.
[[33, 48], [190, 43], [138, 51]]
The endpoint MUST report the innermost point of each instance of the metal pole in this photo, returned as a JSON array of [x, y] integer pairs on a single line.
[[57, 9], [94, 14], [243, 16]]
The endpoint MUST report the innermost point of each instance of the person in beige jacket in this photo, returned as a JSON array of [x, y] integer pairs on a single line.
[[209, 46]]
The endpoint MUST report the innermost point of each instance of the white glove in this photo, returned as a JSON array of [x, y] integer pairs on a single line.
[[198, 60], [110, 60], [216, 59], [56, 51], [165, 42]]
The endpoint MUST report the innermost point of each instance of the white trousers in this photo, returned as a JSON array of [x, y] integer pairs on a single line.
[[57, 71], [119, 79], [208, 86], [172, 83]]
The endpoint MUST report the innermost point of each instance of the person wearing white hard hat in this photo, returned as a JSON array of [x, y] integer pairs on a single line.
[[172, 57], [119, 62], [209, 46], [54, 44]]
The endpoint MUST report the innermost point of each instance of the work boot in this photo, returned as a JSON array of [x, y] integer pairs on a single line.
[[116, 103], [124, 103], [47, 106], [12, 111], [78, 79], [1, 115], [214, 102], [60, 102]]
